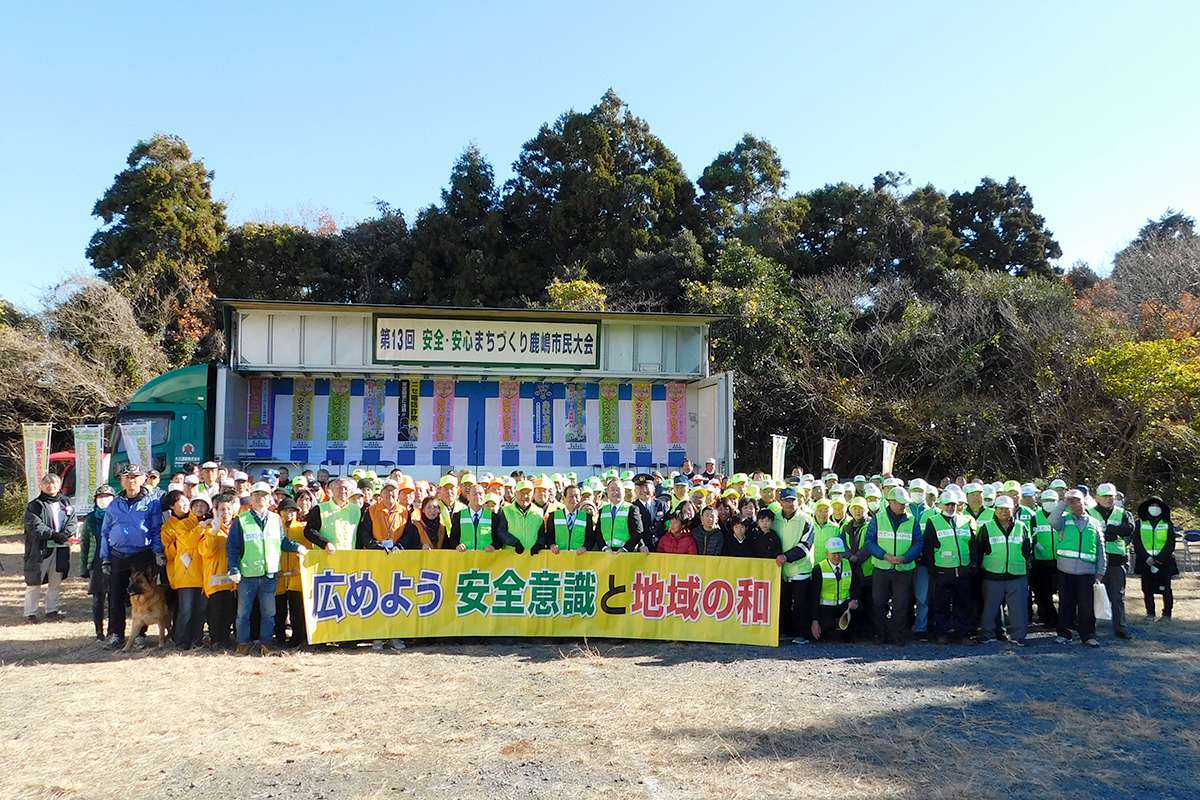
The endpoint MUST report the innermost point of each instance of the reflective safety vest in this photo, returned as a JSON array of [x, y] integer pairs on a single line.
[[480, 535], [1076, 543], [262, 548], [445, 512], [821, 536], [790, 532], [614, 525], [835, 583], [1006, 557], [868, 566], [523, 525], [571, 536], [1115, 519], [983, 515], [340, 525], [1154, 537], [894, 542], [1045, 543], [954, 541]]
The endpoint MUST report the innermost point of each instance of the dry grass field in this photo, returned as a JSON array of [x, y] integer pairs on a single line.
[[601, 719]]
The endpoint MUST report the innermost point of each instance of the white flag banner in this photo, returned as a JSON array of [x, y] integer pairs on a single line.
[[778, 448], [136, 436], [89, 464], [37, 454], [889, 455], [830, 453]]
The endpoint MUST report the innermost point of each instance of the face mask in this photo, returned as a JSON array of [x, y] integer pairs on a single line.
[[102, 502], [873, 505], [1154, 511], [988, 503], [1049, 505]]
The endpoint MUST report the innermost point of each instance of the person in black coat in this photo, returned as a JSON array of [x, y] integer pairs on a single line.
[[740, 540], [1154, 558], [49, 521], [647, 516]]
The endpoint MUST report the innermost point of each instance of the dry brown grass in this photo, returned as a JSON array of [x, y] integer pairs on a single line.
[[592, 719]]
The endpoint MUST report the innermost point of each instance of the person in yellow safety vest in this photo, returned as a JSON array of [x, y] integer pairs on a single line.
[[448, 503], [1081, 560], [854, 534], [833, 593], [569, 529], [824, 529], [895, 543], [543, 495], [949, 547], [476, 528], [616, 534], [254, 552], [1118, 530], [333, 524], [796, 533], [1154, 554], [524, 520], [1004, 552], [679, 492], [1044, 573]]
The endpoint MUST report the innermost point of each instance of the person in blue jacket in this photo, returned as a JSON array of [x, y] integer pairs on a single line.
[[129, 539]]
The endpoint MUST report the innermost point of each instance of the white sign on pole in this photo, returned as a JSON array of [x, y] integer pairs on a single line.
[[89, 464], [37, 454], [889, 455], [830, 453], [778, 448], [136, 436]]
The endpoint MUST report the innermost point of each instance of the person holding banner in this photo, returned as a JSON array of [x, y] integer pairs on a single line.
[[477, 528], [130, 538], [569, 529], [384, 524], [648, 515], [795, 533], [616, 530], [427, 525], [895, 543], [89, 557], [49, 520], [524, 520], [333, 524]]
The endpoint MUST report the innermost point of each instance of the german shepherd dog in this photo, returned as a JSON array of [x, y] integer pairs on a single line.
[[149, 605]]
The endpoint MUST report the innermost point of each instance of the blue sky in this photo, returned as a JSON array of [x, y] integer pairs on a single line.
[[301, 106]]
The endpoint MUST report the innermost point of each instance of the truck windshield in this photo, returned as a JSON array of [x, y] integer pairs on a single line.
[[160, 427]]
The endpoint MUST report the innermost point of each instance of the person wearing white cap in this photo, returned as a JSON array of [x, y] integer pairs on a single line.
[[210, 483], [833, 592], [1005, 550], [1044, 573], [895, 543], [918, 492], [254, 551], [1081, 562], [710, 470], [1118, 531], [950, 547]]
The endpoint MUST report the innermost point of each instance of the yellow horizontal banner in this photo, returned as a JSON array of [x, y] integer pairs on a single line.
[[354, 595]]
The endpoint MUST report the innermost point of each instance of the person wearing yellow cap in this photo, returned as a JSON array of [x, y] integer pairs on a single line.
[[833, 593], [523, 519], [448, 503], [824, 529], [334, 523], [1118, 532], [895, 543], [854, 531]]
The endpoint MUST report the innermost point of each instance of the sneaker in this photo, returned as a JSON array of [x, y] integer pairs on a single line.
[[987, 639], [1091, 642], [32, 619], [139, 643], [268, 650], [377, 645], [396, 644], [242, 649], [114, 643], [57, 613], [1061, 640], [800, 640], [1020, 643]]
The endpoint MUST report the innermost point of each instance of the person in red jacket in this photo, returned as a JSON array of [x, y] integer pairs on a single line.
[[678, 538]]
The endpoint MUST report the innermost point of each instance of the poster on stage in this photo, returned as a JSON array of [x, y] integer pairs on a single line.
[[258, 413], [642, 408], [36, 436], [374, 393], [443, 413], [889, 455], [409, 413], [576, 433], [778, 449], [676, 418], [610, 417], [510, 415], [304, 394], [339, 414]]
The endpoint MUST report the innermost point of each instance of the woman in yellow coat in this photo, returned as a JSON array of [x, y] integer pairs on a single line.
[[181, 535], [218, 588]]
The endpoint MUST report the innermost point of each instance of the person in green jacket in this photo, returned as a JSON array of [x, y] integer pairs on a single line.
[[89, 557]]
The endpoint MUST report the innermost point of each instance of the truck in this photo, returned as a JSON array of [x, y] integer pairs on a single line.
[[310, 385]]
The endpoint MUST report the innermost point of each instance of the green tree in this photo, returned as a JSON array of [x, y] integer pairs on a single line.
[[739, 182], [267, 261], [1000, 231], [369, 262], [161, 231]]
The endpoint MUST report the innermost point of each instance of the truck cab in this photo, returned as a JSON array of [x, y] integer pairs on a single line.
[[177, 405]]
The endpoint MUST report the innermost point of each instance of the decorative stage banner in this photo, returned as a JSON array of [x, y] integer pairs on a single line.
[[510, 415], [89, 464], [339, 414], [468, 342], [136, 438], [543, 413], [641, 416], [676, 417], [576, 435], [610, 416], [259, 413], [37, 454], [410, 413], [374, 393], [303, 402], [443, 413], [354, 595]]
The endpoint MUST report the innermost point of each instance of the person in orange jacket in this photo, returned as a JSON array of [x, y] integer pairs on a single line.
[[181, 535], [219, 589]]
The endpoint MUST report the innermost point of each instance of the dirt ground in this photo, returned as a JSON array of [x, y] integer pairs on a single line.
[[598, 719]]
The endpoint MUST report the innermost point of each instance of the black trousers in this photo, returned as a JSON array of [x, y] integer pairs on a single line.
[[896, 586], [1076, 611], [222, 612], [1042, 579], [827, 618], [122, 567], [1153, 584], [953, 602], [289, 607], [794, 618]]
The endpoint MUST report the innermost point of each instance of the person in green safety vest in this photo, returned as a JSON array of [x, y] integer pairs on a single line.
[[333, 524], [854, 534], [796, 533], [1154, 554], [1043, 575], [976, 508], [1004, 553], [950, 548], [1118, 530], [824, 529], [1081, 560], [448, 502], [895, 543], [679, 492], [833, 593], [256, 543], [524, 520], [476, 528], [616, 533], [570, 529]]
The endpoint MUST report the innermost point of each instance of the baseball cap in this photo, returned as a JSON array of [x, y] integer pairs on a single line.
[[1058, 483], [192, 479], [835, 545], [448, 480], [210, 465], [681, 480], [1106, 490], [133, 471], [241, 476], [104, 490], [261, 486], [899, 495], [788, 494], [1050, 494], [1004, 501], [1029, 490], [524, 485]]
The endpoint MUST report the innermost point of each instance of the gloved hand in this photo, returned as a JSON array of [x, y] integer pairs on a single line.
[[520, 548], [236, 577], [301, 550], [106, 568], [160, 559]]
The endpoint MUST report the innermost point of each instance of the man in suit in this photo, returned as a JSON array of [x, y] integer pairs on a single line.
[[648, 515]]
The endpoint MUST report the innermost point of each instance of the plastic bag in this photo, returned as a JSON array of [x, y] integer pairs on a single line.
[[1100, 603]]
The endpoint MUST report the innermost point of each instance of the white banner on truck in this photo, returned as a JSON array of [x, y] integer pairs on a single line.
[[462, 342]]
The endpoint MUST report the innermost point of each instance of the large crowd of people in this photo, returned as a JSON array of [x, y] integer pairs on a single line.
[[872, 558]]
